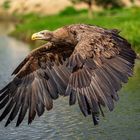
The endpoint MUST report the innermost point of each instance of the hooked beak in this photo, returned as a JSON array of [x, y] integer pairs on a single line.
[[37, 36], [42, 35]]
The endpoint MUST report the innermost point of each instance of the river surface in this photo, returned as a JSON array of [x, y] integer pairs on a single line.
[[68, 123]]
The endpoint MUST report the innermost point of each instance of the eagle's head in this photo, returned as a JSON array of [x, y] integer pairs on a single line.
[[61, 35], [42, 35]]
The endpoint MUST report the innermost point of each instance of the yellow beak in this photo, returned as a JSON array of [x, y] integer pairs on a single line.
[[37, 36]]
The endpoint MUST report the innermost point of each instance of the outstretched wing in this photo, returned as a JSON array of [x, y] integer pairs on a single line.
[[39, 79], [101, 61], [92, 74]]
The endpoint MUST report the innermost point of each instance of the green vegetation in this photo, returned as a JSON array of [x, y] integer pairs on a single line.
[[89, 4], [69, 11], [126, 20], [103, 3], [107, 4], [6, 4]]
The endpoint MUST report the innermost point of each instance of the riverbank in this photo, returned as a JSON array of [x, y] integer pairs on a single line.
[[126, 20]]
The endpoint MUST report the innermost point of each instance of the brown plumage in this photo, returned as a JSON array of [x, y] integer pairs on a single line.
[[86, 62]]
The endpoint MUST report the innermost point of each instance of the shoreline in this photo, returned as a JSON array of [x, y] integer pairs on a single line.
[[126, 20]]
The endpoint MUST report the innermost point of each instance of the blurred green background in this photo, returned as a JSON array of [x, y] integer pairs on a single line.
[[121, 14]]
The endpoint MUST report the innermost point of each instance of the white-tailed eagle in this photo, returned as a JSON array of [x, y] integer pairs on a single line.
[[85, 62]]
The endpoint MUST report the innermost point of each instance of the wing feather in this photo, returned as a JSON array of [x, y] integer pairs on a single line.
[[39, 79], [91, 74], [100, 63]]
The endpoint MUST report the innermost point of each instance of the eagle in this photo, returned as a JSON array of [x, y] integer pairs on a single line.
[[85, 62]]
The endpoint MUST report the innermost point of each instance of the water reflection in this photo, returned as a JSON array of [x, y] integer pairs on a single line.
[[11, 53], [64, 122]]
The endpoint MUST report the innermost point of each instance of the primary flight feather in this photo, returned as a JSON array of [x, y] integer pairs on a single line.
[[85, 62]]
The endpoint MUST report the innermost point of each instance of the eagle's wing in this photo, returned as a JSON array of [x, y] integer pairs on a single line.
[[92, 74], [99, 64], [39, 79]]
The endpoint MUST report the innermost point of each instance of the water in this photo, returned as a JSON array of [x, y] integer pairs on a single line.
[[67, 123]]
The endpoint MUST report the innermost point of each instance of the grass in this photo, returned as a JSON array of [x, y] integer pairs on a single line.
[[126, 20]]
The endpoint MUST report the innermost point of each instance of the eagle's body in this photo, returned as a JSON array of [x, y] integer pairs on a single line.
[[86, 62]]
